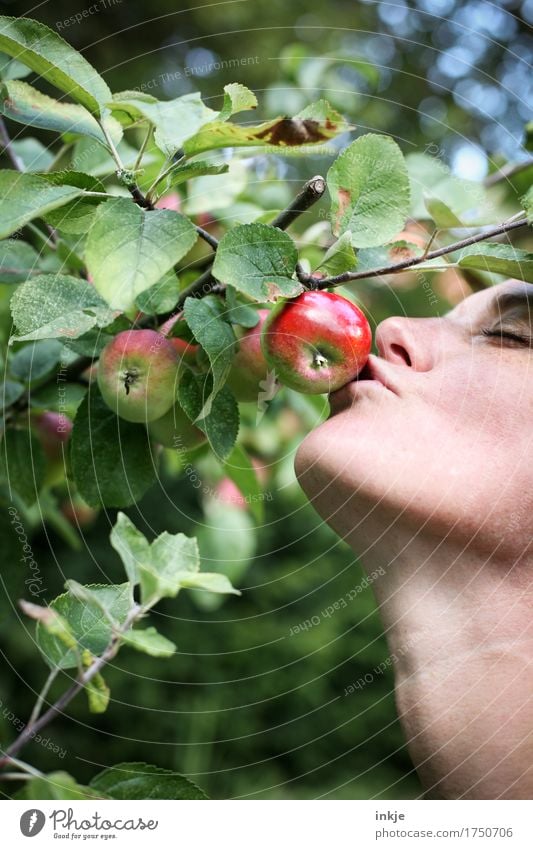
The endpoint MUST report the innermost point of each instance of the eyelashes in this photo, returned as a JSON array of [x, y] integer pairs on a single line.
[[499, 333]]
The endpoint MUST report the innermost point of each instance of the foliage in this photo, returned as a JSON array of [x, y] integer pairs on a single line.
[[88, 251]]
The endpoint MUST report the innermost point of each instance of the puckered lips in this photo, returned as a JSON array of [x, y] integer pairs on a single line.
[[373, 378]]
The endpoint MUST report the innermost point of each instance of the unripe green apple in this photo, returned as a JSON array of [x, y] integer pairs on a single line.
[[249, 366], [316, 342], [175, 430], [137, 375]]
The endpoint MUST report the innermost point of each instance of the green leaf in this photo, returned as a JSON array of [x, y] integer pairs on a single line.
[[58, 786], [92, 342], [258, 260], [190, 170], [77, 216], [369, 187], [51, 622], [227, 543], [150, 642], [499, 259], [527, 203], [174, 120], [322, 112], [144, 781], [173, 556], [441, 214], [97, 691], [239, 312], [87, 595], [46, 53], [162, 568], [18, 261], [87, 623], [66, 401], [206, 319], [24, 197], [239, 468], [209, 194], [20, 102], [11, 392], [237, 98], [221, 425], [10, 69], [340, 257], [212, 582], [35, 361], [98, 694], [161, 297], [22, 463], [430, 178], [131, 545], [33, 154], [96, 160], [129, 249], [55, 305], [278, 133], [112, 463]]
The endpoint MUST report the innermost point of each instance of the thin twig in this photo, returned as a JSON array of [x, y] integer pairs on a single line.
[[15, 776], [142, 149], [396, 268], [207, 237], [42, 696], [47, 240], [57, 158], [309, 195], [133, 189], [16, 161], [311, 192], [111, 145], [509, 170], [83, 679], [162, 174]]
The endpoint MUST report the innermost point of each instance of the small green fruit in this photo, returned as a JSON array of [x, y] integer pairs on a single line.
[[175, 430]]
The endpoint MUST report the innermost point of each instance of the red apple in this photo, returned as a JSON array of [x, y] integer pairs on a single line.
[[77, 512], [316, 342], [137, 375], [175, 430], [249, 366], [186, 351], [54, 431]]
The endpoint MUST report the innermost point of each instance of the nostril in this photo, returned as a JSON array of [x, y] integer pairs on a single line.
[[400, 352]]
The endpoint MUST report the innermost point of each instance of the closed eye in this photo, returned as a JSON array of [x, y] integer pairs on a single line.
[[500, 333]]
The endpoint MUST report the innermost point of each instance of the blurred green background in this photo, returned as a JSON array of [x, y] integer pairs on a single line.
[[254, 705]]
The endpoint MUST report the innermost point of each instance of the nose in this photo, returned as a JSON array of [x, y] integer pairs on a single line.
[[408, 342]]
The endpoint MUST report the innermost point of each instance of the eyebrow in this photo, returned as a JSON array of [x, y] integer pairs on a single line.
[[517, 298]]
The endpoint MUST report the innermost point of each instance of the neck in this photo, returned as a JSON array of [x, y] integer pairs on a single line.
[[460, 631]]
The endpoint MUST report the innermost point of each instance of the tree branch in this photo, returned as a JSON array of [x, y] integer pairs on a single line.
[[311, 192], [207, 237], [396, 268], [32, 728], [304, 200], [506, 172]]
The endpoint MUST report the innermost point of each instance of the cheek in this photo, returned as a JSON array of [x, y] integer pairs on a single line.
[[454, 453]]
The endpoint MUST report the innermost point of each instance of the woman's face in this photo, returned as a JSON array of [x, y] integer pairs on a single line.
[[437, 429]]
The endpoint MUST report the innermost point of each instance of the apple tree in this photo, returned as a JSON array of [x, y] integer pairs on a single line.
[[150, 315]]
